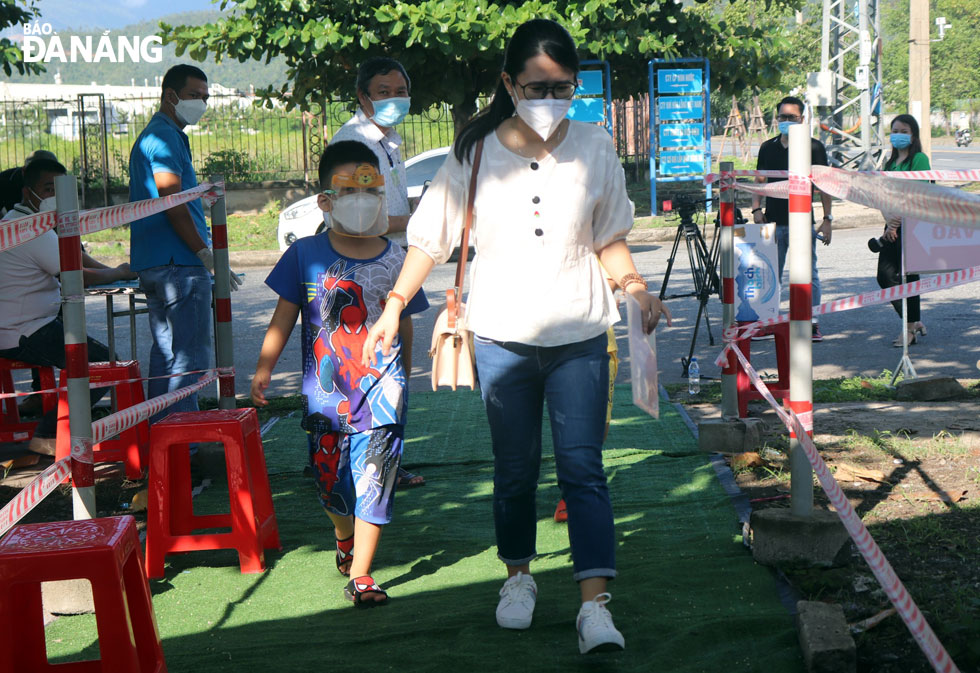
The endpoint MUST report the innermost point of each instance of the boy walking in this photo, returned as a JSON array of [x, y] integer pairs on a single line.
[[340, 281]]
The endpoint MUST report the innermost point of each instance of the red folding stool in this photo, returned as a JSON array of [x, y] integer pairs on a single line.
[[171, 521], [105, 552], [133, 445], [780, 390], [12, 428]]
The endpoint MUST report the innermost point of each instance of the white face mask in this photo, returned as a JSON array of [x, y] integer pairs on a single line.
[[190, 111], [360, 214], [43, 204], [544, 114]]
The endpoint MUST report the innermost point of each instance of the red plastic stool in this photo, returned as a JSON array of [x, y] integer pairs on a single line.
[[133, 445], [746, 391], [170, 516], [105, 552], [12, 429]]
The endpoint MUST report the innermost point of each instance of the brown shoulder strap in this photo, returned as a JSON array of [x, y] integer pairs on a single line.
[[464, 243]]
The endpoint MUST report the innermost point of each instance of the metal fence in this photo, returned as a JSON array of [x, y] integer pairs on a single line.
[[92, 134]]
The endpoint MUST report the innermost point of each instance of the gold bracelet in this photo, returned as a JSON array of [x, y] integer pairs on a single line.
[[630, 279]]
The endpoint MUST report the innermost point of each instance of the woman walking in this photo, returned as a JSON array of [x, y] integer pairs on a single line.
[[550, 204]]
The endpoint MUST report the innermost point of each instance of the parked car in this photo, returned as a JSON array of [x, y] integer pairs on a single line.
[[304, 217]]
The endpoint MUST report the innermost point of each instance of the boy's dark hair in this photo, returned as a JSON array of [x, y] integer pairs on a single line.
[[340, 153], [33, 171], [791, 100], [176, 78], [378, 65]]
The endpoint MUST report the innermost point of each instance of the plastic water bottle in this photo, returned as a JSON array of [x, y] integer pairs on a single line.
[[693, 377]]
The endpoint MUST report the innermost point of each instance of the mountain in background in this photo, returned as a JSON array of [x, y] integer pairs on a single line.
[[229, 73]]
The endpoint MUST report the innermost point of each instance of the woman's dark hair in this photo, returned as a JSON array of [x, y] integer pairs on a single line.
[[916, 145], [537, 36]]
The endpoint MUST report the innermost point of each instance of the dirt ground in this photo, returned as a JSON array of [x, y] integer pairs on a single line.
[[912, 472]]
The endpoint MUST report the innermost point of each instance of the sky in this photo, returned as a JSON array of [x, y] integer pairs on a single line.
[[77, 14]]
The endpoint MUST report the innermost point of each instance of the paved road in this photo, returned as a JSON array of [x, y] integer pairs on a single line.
[[955, 158], [857, 342]]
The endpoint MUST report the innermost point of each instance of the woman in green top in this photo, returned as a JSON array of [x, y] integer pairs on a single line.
[[906, 155]]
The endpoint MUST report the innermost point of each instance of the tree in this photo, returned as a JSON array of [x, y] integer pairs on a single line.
[[15, 13], [953, 59], [453, 49]]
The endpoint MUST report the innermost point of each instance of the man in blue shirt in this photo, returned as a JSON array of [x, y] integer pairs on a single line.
[[170, 251]]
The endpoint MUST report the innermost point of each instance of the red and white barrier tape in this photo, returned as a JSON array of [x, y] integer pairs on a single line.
[[127, 418], [969, 175], [917, 200], [33, 493], [874, 298], [24, 229], [106, 218], [111, 384], [917, 625]]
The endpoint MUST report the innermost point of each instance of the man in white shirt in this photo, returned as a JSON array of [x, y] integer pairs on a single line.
[[31, 329], [383, 100]]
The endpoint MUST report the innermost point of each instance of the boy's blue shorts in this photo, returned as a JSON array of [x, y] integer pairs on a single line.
[[357, 473]]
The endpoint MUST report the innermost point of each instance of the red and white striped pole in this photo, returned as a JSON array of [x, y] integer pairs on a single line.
[[224, 353], [76, 348], [800, 314], [729, 387]]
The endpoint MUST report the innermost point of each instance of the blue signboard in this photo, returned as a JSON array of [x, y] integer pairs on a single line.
[[593, 97], [590, 83], [680, 123], [679, 81], [588, 110], [681, 135], [682, 162], [676, 108]]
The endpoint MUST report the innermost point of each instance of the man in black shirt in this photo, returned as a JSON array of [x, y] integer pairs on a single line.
[[774, 155], [12, 181]]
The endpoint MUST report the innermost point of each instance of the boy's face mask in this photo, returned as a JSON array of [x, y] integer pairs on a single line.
[[359, 207]]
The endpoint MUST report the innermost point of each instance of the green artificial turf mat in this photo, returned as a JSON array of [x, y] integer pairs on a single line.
[[688, 597]]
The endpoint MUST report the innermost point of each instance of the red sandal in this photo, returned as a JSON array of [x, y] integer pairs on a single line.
[[561, 512], [345, 555], [359, 586]]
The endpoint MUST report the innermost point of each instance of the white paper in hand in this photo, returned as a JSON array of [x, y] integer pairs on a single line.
[[643, 361]]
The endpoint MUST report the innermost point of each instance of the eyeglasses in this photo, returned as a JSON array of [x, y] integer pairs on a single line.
[[538, 90], [788, 118]]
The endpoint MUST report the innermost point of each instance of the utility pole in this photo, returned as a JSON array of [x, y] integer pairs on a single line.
[[919, 69]]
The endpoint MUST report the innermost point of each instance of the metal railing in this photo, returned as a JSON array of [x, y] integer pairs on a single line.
[[92, 134]]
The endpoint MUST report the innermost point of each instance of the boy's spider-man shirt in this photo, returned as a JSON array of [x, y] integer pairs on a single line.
[[340, 299]]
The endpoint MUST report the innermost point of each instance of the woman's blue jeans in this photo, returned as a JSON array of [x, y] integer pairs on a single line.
[[516, 380]]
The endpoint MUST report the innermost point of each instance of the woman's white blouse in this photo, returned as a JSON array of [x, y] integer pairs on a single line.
[[537, 226]]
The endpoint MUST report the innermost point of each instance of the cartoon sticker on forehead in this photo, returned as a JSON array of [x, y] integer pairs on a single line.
[[364, 176]]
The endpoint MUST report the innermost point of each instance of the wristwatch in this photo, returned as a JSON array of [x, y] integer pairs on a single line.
[[829, 218]]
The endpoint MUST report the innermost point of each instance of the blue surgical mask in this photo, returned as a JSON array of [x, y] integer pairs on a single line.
[[390, 111], [784, 127], [901, 140]]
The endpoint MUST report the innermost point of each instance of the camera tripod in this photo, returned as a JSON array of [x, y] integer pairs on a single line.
[[703, 263]]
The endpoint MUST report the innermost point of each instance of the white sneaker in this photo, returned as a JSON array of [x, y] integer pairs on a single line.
[[516, 606], [596, 632]]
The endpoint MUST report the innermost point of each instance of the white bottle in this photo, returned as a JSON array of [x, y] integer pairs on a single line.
[[693, 377]]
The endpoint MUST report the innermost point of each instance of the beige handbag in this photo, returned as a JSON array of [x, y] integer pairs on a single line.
[[452, 343]]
